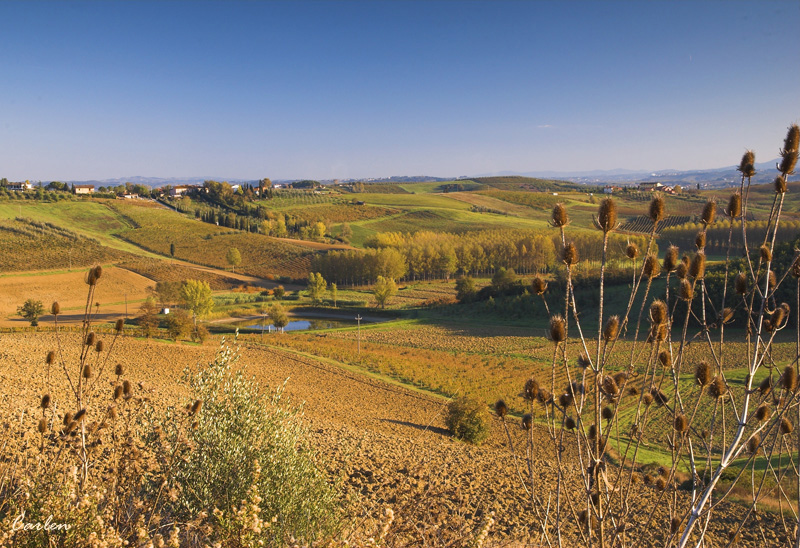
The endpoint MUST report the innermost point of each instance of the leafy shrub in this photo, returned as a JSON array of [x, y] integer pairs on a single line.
[[467, 419], [250, 445]]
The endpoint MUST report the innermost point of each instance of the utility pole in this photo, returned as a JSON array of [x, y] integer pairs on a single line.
[[358, 319]]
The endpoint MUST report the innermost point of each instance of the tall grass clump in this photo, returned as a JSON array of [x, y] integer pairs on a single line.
[[250, 445], [662, 377]]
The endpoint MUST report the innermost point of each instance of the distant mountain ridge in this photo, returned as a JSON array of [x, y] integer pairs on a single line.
[[708, 178]]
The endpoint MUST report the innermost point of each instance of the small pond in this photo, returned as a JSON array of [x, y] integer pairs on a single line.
[[296, 324]]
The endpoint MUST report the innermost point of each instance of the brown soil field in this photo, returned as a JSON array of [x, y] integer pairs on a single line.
[[387, 444], [69, 290]]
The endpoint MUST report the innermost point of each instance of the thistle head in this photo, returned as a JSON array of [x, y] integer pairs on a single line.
[[740, 283], [607, 215], [686, 290], [570, 254], [539, 285], [734, 205], [747, 165], [709, 212], [500, 408], [657, 209], [558, 329], [560, 218], [658, 312], [697, 269], [703, 374], [700, 240], [652, 268], [611, 329]]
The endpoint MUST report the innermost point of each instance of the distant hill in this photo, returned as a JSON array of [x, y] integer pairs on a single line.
[[516, 182]]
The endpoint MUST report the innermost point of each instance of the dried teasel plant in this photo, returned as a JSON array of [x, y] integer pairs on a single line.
[[710, 384]]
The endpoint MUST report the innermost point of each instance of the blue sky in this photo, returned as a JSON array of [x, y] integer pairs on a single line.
[[95, 90]]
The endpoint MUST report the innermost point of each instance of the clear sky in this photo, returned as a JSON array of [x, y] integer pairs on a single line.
[[329, 89]]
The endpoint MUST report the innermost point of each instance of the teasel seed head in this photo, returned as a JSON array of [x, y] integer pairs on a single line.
[[717, 388], [558, 330], [657, 209], [700, 240], [698, 268], [780, 184], [197, 406], [652, 268], [98, 271], [681, 423], [786, 426], [112, 413], [51, 358], [766, 386], [569, 423], [632, 251], [45, 403], [789, 379], [117, 392], [789, 150], [119, 325], [709, 212], [633, 391], [592, 434], [91, 277], [665, 358], [565, 400], [584, 361], [661, 483], [647, 398], [796, 268], [772, 279], [539, 285], [734, 205], [766, 253], [560, 217], [683, 270], [659, 397], [620, 378], [609, 386], [87, 371], [607, 215], [531, 389], [127, 389], [658, 312], [686, 290], [119, 370], [79, 416], [792, 141], [727, 315], [740, 283], [527, 421], [99, 347], [42, 425], [747, 165], [575, 388], [501, 408], [55, 308], [671, 259], [702, 374], [763, 412], [611, 329], [777, 318], [607, 413], [753, 443], [648, 480], [91, 338], [67, 418], [674, 525], [704, 434], [543, 396], [663, 471], [570, 255]]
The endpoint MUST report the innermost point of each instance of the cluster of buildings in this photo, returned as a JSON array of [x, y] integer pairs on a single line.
[[643, 187]]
